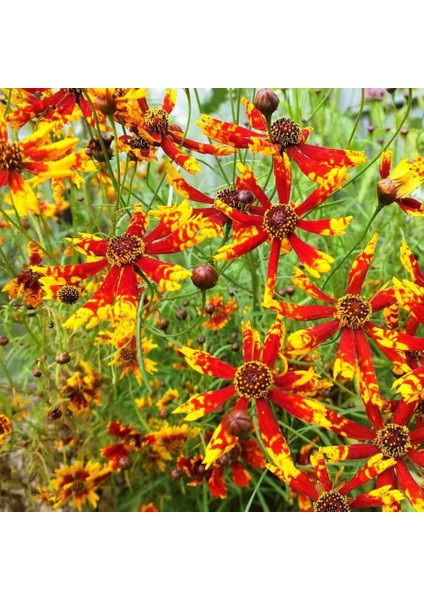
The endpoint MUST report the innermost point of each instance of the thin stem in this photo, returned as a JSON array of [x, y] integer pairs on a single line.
[[377, 210], [358, 117]]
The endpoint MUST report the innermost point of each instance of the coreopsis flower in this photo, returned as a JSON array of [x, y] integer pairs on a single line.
[[5, 427], [262, 379], [150, 129], [394, 438], [326, 497], [236, 197], [50, 105], [114, 101], [118, 454], [26, 284], [79, 483], [351, 315], [125, 355], [218, 312], [279, 224], [410, 294], [159, 446], [36, 155], [284, 137], [396, 185], [124, 256], [81, 389], [244, 452]]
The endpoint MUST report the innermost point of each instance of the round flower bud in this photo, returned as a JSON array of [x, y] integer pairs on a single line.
[[3, 340], [37, 373], [163, 324], [239, 423], [181, 314], [244, 197], [204, 277], [266, 101], [62, 358], [209, 309], [386, 191]]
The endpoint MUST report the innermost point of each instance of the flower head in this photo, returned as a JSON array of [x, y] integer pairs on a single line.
[[151, 128], [261, 380], [78, 483], [284, 137], [279, 224], [36, 155], [124, 256], [26, 284], [398, 183]]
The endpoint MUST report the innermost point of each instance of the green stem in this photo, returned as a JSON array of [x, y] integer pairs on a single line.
[[377, 210], [358, 117]]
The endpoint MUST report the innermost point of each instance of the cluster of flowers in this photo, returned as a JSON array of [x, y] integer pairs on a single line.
[[125, 272]]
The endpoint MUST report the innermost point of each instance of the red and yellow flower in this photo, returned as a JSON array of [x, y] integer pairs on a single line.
[[228, 195], [278, 224], [410, 294], [125, 256], [26, 284], [218, 312], [396, 185], [263, 379], [50, 105], [391, 439], [244, 452], [79, 483], [326, 497], [82, 389], [150, 129], [36, 155], [351, 315], [285, 137]]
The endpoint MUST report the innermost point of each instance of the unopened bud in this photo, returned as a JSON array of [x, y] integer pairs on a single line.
[[266, 101], [239, 423], [62, 358], [204, 277], [3, 340], [386, 191]]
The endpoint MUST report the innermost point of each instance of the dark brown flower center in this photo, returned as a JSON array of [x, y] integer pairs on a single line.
[[78, 487], [231, 197], [10, 157], [280, 221], [127, 354], [353, 311], [393, 440], [285, 132], [30, 279], [68, 294], [253, 379], [124, 249], [331, 502], [157, 120], [139, 143]]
